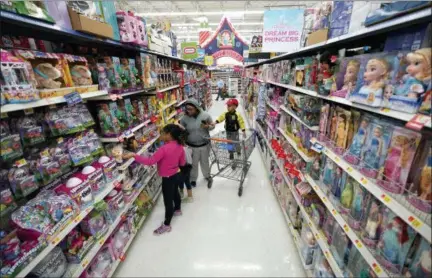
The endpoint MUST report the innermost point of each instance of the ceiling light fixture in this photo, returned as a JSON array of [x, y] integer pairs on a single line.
[[198, 13]]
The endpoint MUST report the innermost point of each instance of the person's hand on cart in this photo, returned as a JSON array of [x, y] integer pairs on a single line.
[[206, 125], [128, 155]]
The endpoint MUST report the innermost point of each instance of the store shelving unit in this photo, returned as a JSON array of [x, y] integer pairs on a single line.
[[118, 261], [168, 88], [63, 233], [126, 134], [29, 26], [422, 226], [49, 101], [125, 165], [321, 240], [272, 106], [75, 270]]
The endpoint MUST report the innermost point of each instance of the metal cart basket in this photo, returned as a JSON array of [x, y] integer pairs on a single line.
[[230, 151]]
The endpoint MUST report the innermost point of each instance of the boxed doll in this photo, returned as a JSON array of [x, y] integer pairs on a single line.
[[353, 154], [108, 122], [18, 83], [77, 73], [113, 71], [411, 80], [375, 72], [394, 173], [34, 9], [342, 127], [371, 226], [346, 78], [358, 211], [127, 25]]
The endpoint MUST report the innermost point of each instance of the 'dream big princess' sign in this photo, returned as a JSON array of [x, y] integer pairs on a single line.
[[282, 30]]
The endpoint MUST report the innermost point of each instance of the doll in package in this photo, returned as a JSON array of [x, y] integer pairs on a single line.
[[346, 79], [395, 242], [353, 154], [411, 81], [403, 145]]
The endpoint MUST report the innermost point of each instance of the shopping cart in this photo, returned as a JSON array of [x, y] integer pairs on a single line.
[[230, 151]]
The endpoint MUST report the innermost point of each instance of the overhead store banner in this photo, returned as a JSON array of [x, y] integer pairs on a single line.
[[282, 30], [189, 50]]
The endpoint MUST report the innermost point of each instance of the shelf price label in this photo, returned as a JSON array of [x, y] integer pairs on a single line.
[[55, 241], [334, 211], [386, 199], [414, 222], [85, 263], [376, 268], [28, 111], [317, 236], [358, 243], [73, 98], [324, 199], [337, 159], [364, 181], [349, 169], [346, 228]]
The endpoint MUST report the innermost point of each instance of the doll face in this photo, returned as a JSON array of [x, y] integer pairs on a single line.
[[105, 108], [417, 66], [123, 26], [324, 66], [364, 124], [351, 73], [388, 92], [375, 70], [400, 140], [377, 132], [108, 61]]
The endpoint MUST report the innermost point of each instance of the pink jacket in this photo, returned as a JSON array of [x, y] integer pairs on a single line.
[[168, 159]]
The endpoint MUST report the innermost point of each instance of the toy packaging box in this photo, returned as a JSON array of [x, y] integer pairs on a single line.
[[113, 71], [127, 25], [35, 9], [77, 72], [340, 18], [346, 78]]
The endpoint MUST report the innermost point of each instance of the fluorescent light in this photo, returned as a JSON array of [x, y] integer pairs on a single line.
[[198, 13], [217, 24]]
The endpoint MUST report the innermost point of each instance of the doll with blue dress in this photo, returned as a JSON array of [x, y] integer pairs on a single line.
[[408, 90], [354, 152], [395, 243], [374, 151], [329, 173], [358, 207]]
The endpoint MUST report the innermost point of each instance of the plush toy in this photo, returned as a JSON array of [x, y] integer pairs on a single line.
[[81, 75], [46, 75]]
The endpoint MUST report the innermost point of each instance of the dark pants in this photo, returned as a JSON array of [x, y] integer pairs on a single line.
[[171, 196], [186, 171], [234, 136], [220, 95]]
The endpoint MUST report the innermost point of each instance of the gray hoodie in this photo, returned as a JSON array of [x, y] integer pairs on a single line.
[[197, 134]]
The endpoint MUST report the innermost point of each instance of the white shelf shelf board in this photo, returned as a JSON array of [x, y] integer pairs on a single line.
[[294, 145], [116, 96], [168, 88], [47, 101]]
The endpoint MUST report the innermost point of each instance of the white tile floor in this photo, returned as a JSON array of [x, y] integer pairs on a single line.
[[220, 234]]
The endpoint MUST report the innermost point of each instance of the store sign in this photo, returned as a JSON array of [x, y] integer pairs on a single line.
[[228, 53], [208, 60], [282, 30], [189, 50], [256, 44]]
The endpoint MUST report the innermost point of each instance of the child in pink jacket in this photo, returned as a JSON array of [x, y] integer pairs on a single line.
[[169, 157]]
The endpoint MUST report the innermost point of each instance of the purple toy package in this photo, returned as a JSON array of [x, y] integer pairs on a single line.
[[353, 154], [340, 18], [346, 79], [403, 146]]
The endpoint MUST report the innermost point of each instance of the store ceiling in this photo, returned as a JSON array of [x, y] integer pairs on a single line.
[[246, 16]]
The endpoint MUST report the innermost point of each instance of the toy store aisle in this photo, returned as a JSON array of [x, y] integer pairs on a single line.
[[219, 234]]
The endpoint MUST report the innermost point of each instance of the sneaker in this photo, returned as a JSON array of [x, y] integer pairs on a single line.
[[162, 229], [188, 200], [182, 196], [178, 212], [193, 183]]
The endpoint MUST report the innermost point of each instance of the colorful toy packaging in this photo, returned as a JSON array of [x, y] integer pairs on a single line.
[[353, 154], [101, 264], [309, 247], [95, 224], [396, 240], [53, 264], [375, 149], [11, 147], [113, 70], [372, 79], [16, 85], [115, 202], [420, 264], [108, 122], [79, 189], [119, 239], [420, 181], [325, 75], [371, 226], [21, 180], [322, 267], [402, 148], [358, 208], [76, 71], [411, 81], [346, 78], [340, 248], [109, 167], [127, 24], [76, 246]]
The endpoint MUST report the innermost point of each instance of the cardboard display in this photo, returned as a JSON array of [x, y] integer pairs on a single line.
[[84, 24]]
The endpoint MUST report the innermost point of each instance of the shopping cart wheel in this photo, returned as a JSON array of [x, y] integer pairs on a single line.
[[240, 191], [209, 182]]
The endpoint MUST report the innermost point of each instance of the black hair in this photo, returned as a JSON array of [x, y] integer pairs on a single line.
[[177, 133]]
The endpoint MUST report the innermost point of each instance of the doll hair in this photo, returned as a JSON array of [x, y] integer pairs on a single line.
[[355, 64], [422, 54], [403, 236], [425, 183]]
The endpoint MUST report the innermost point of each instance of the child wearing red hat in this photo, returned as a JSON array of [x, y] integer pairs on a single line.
[[233, 123]]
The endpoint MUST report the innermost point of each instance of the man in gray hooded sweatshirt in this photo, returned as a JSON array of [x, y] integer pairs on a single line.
[[198, 124]]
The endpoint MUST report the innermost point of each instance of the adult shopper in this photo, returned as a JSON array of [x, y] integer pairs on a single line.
[[221, 85], [198, 123]]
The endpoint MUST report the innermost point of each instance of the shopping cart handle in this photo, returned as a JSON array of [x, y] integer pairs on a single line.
[[221, 140]]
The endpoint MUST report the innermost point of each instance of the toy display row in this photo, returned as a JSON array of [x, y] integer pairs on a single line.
[[115, 117], [381, 150], [33, 129], [396, 80], [379, 228], [351, 262]]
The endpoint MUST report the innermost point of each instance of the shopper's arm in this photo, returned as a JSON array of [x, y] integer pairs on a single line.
[[211, 124], [155, 158], [221, 118], [241, 122]]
